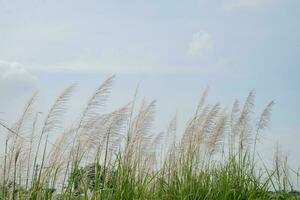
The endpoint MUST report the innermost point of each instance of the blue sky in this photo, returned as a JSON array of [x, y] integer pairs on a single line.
[[174, 48]]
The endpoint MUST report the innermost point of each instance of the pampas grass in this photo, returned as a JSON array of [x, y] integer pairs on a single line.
[[117, 155]]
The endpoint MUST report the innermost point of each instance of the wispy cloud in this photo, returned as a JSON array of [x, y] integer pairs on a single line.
[[15, 79], [13, 71], [236, 4], [201, 41]]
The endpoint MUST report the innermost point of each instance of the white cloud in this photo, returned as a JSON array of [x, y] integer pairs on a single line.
[[15, 81], [235, 4], [201, 42], [16, 86], [140, 67], [13, 72]]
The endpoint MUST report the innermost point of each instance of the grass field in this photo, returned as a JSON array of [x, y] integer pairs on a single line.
[[117, 156]]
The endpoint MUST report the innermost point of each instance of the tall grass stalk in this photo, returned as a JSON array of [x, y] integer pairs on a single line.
[[118, 155]]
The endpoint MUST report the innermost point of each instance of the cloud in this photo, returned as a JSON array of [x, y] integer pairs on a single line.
[[201, 41], [14, 72], [235, 4], [16, 86], [15, 80]]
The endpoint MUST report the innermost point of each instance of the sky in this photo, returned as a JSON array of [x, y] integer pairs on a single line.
[[174, 49]]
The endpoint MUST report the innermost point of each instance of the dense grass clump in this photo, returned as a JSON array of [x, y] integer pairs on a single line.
[[117, 156]]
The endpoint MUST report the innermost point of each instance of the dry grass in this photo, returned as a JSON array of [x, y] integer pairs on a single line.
[[129, 161]]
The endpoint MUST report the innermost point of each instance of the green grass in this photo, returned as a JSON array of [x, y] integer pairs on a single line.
[[116, 155]]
